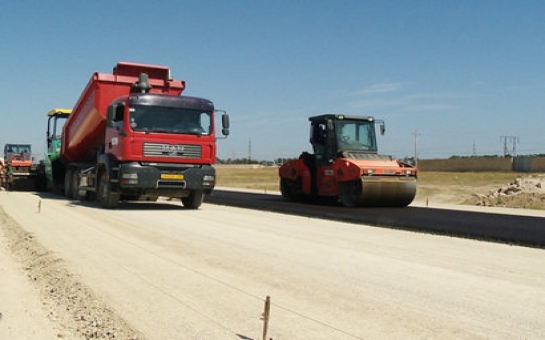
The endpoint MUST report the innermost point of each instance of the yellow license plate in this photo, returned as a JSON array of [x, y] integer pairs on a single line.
[[172, 176]]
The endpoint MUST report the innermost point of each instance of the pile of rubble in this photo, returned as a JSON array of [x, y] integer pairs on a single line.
[[527, 192]]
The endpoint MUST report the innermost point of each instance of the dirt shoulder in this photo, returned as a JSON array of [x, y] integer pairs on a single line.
[[525, 192], [55, 304], [21, 312]]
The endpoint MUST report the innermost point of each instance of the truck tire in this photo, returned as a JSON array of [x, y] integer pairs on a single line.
[[106, 198], [68, 183], [77, 194], [194, 200]]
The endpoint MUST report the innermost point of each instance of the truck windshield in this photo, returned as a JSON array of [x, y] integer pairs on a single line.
[[356, 135], [165, 119]]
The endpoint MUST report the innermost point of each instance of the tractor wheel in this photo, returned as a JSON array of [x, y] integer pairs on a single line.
[[194, 200], [350, 193], [107, 199]]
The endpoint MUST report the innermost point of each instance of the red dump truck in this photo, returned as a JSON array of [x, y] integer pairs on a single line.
[[132, 136]]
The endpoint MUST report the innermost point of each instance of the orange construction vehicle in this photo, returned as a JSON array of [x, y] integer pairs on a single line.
[[19, 170], [346, 166]]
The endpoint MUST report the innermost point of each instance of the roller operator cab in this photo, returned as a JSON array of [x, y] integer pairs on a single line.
[[346, 166], [132, 136]]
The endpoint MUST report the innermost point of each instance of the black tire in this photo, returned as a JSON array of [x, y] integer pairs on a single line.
[[350, 193], [106, 198], [41, 182], [68, 183], [288, 189], [194, 200]]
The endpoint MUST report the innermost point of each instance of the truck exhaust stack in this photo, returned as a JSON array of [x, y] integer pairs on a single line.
[[142, 85]]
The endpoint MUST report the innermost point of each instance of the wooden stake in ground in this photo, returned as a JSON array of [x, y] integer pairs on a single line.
[[266, 315]]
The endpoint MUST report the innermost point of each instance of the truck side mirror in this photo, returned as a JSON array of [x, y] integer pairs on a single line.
[[110, 116], [382, 129], [225, 124]]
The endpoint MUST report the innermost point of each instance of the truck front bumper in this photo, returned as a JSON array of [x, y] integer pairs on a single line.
[[166, 177]]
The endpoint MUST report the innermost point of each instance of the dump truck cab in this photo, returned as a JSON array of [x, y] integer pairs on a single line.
[[346, 165], [162, 145]]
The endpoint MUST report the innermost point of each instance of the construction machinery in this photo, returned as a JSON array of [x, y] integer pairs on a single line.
[[132, 136], [51, 169], [346, 166], [19, 171]]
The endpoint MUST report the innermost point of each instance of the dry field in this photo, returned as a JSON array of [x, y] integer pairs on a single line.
[[438, 187]]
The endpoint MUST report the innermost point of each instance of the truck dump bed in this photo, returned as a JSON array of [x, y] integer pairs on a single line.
[[84, 131]]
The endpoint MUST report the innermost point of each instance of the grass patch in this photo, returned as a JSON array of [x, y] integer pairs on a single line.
[[248, 177], [433, 187], [467, 178], [429, 183]]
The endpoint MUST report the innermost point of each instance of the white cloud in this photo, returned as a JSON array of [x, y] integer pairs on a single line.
[[429, 107], [424, 95], [409, 103], [380, 88]]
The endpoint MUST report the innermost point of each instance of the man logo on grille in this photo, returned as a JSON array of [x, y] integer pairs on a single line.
[[172, 149]]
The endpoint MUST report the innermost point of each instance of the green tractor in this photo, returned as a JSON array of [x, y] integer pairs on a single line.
[[51, 173]]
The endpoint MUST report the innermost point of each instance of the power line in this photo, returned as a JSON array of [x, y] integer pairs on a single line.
[[509, 139], [416, 134]]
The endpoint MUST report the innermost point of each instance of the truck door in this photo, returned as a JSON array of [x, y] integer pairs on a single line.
[[115, 130]]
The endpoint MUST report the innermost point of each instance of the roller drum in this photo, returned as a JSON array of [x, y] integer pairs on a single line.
[[378, 192]]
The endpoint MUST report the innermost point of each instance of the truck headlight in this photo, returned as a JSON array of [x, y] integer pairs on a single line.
[[129, 178], [208, 180]]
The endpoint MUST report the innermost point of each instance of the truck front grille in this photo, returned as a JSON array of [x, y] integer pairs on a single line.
[[172, 150], [365, 155]]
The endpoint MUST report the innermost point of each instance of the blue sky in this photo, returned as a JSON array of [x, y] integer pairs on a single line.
[[458, 74]]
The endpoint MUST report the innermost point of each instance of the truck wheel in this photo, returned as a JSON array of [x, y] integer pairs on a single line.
[[107, 199], [68, 183], [194, 200], [350, 193], [77, 194]]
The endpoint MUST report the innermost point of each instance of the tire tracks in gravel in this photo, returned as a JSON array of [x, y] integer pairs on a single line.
[[69, 303]]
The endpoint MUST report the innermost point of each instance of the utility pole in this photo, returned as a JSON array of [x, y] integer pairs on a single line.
[[416, 134], [249, 151], [509, 139]]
